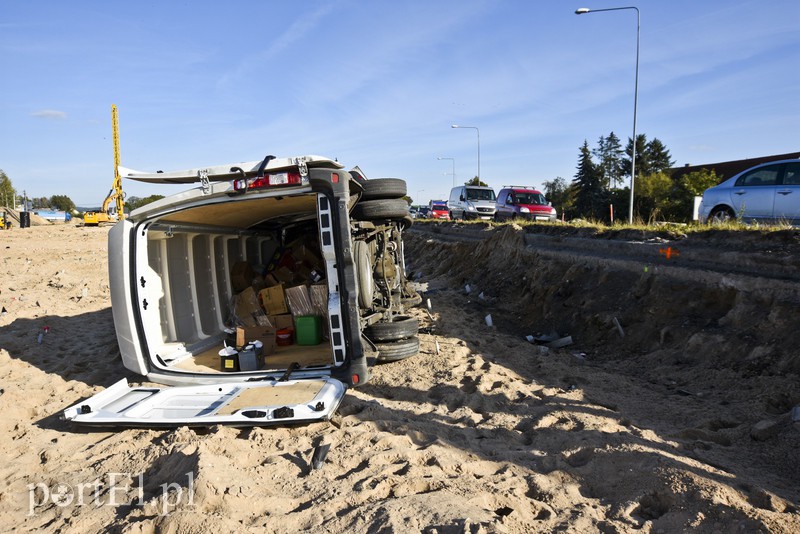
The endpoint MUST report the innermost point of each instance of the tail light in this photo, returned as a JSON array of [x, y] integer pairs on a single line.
[[268, 180]]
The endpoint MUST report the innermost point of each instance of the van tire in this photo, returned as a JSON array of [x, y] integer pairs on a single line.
[[397, 350], [401, 327], [383, 188], [368, 210]]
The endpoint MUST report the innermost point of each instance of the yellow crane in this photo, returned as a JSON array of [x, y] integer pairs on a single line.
[[95, 218]]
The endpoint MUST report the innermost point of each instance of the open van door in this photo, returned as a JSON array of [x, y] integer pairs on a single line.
[[261, 403]]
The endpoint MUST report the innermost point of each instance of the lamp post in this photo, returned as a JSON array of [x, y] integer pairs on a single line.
[[583, 10], [479, 145], [454, 168]]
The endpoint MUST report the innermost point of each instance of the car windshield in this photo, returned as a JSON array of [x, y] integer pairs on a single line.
[[480, 194], [439, 206], [530, 198]]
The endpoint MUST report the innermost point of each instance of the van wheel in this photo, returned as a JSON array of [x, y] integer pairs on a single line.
[[400, 327], [383, 188], [367, 210], [397, 350]]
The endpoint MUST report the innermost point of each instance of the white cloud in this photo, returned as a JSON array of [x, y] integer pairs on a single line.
[[49, 114]]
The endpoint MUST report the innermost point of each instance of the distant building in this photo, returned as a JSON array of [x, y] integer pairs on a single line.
[[728, 169]]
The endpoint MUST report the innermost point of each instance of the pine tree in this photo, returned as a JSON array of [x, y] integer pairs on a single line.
[[588, 185], [658, 156], [609, 154]]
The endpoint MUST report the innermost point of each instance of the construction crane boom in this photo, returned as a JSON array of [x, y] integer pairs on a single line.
[[120, 196], [116, 195]]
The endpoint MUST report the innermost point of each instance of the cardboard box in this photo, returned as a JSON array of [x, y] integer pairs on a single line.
[[283, 274], [264, 334], [282, 321], [247, 308], [273, 300], [242, 275]]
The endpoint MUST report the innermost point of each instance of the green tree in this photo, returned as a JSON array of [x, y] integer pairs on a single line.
[[476, 181], [7, 191], [652, 195], [685, 189], [62, 202], [588, 185], [132, 203], [651, 157], [559, 193], [609, 155]]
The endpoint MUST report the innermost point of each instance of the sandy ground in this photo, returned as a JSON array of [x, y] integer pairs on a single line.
[[480, 432]]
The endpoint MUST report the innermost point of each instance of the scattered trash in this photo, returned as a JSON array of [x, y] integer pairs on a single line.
[[619, 327], [796, 414], [4, 311], [428, 304], [437, 347], [41, 335], [481, 296], [468, 289], [318, 458], [488, 320], [558, 343], [552, 340]]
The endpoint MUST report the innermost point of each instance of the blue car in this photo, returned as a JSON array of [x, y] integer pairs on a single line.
[[768, 193]]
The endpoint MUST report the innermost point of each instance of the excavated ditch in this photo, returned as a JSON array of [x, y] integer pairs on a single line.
[[687, 301]]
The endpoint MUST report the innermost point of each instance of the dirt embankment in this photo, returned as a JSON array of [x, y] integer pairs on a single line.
[[680, 425]]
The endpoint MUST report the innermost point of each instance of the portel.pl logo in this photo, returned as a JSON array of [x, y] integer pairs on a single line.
[[115, 491]]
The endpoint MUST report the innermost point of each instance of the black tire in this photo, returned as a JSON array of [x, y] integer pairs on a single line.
[[392, 208], [721, 215], [397, 350], [383, 188], [401, 327]]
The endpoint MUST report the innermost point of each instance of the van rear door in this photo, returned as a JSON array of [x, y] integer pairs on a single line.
[[258, 403]]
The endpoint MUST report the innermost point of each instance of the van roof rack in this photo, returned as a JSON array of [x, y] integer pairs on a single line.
[[519, 186]]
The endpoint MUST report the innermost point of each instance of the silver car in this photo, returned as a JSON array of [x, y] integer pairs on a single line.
[[768, 193]]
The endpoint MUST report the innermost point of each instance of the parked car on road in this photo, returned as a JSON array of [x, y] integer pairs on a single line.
[[471, 202], [268, 289], [438, 210], [521, 202], [768, 193]]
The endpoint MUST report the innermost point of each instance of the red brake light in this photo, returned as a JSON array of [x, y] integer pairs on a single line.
[[269, 180]]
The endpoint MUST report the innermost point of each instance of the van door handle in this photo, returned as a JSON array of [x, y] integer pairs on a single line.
[[784, 192], [739, 192]]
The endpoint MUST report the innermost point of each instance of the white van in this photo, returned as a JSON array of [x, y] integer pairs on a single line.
[[266, 290], [472, 202]]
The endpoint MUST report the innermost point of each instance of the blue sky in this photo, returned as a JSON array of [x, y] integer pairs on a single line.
[[378, 84]]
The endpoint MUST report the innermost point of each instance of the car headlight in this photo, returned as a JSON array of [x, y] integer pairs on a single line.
[[524, 210], [471, 207]]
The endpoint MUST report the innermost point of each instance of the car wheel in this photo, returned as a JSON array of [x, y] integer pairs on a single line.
[[383, 188], [721, 215], [394, 208], [397, 350], [400, 327]]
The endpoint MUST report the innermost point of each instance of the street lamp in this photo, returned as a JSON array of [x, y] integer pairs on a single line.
[[479, 145], [583, 10], [454, 168]]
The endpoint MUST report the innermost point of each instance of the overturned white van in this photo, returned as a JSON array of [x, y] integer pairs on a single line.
[[197, 280]]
